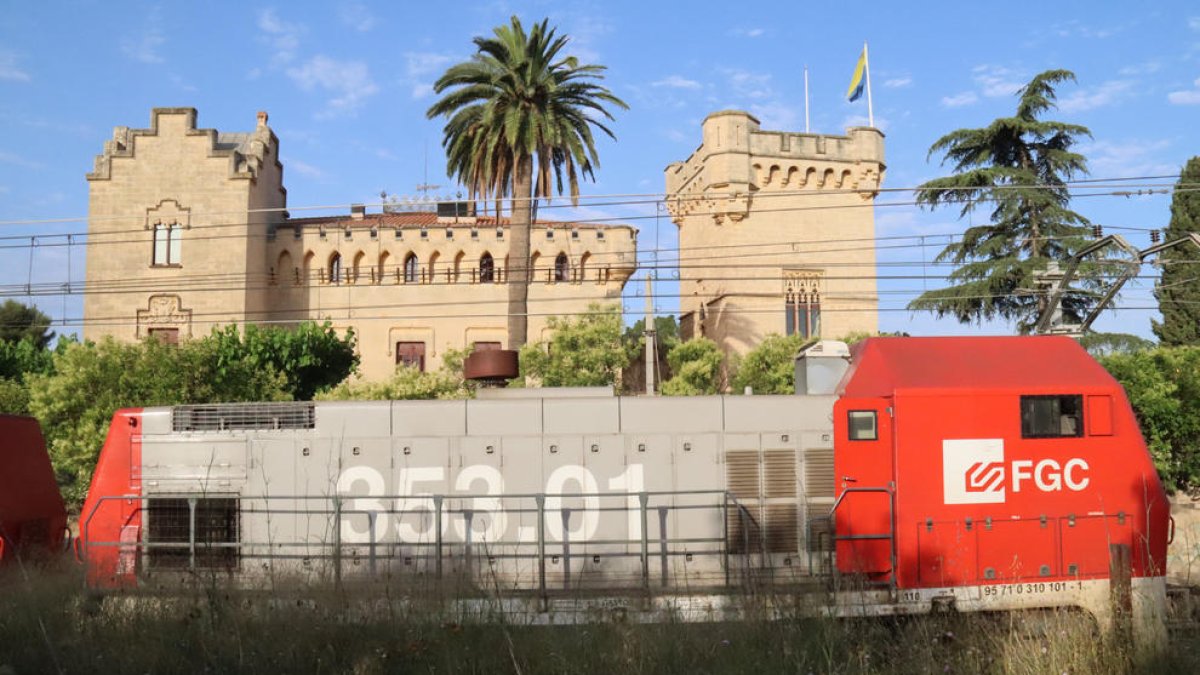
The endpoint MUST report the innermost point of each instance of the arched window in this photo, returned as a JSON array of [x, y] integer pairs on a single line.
[[432, 271], [458, 259], [335, 268], [383, 261], [534, 259], [357, 269], [487, 269], [562, 268], [410, 268], [308, 266], [583, 261], [284, 274]]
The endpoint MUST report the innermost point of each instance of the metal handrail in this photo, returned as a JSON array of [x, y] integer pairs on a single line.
[[442, 508], [891, 533]]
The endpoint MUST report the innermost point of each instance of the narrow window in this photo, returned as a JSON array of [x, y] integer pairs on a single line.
[[863, 425], [1056, 416], [411, 355], [161, 235], [487, 268], [175, 247], [168, 244], [802, 310], [562, 268], [335, 268], [410, 268], [170, 532]]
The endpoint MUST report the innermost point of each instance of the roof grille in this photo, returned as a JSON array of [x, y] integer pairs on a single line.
[[231, 416]]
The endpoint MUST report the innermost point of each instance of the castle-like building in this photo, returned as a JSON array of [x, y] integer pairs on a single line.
[[188, 230], [776, 232]]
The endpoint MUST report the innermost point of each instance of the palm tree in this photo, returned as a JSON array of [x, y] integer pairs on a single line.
[[1019, 165], [515, 109]]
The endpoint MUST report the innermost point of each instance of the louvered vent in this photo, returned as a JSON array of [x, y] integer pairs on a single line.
[[820, 530], [818, 473], [741, 473], [230, 416], [779, 473], [783, 528], [744, 529]]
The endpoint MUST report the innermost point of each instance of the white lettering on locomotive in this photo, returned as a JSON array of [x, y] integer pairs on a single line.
[[974, 472]]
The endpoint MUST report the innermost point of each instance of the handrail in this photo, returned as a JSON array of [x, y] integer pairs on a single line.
[[890, 535]]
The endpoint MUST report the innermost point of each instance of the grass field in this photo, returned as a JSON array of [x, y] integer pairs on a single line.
[[49, 624]]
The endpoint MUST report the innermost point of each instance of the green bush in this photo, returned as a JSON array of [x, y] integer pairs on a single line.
[[770, 368], [695, 367], [409, 383], [582, 352]]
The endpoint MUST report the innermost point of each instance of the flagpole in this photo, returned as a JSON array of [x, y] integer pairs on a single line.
[[867, 67], [806, 98]]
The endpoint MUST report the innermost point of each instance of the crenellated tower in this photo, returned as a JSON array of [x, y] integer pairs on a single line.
[[776, 232]]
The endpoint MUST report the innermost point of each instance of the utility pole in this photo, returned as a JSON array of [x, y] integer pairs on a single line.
[[651, 361]]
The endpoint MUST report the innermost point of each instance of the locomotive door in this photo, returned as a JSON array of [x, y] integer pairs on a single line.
[[864, 521]]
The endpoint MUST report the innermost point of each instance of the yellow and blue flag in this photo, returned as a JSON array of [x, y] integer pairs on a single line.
[[856, 83]]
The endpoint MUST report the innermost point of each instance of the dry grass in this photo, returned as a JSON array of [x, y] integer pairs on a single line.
[[48, 624]]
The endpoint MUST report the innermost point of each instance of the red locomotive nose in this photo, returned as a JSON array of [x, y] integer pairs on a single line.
[[33, 518]]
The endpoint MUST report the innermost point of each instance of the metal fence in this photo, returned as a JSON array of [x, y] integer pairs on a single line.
[[527, 542]]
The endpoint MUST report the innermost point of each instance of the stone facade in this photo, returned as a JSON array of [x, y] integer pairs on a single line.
[[188, 230], [776, 232]]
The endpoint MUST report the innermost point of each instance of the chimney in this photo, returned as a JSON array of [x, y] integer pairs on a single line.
[[357, 211], [262, 118]]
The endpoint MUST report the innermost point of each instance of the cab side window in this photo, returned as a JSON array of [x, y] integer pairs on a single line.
[[863, 425], [1057, 416]]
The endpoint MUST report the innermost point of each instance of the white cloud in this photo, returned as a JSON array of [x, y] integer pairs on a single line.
[[1187, 96], [283, 36], [995, 81], [1109, 159], [881, 123], [18, 160], [898, 82], [750, 85], [305, 169], [676, 135], [959, 100], [9, 70], [1146, 68], [775, 115], [1100, 96], [357, 16], [420, 64], [1194, 23], [676, 82], [423, 90], [748, 32], [144, 46], [349, 83]]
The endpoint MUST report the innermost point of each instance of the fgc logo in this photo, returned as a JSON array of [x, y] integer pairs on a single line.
[[974, 472]]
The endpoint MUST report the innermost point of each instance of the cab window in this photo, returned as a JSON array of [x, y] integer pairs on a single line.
[[862, 425], [1058, 416]]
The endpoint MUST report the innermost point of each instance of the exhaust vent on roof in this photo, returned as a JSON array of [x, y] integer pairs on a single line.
[[231, 416]]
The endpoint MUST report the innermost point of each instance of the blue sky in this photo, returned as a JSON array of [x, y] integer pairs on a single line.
[[347, 85]]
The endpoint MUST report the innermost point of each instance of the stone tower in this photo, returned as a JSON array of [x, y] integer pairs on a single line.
[[776, 232], [178, 223]]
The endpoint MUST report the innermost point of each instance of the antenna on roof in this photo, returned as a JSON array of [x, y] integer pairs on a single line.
[[425, 187]]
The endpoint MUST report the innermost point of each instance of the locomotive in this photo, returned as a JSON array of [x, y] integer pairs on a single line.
[[33, 518], [905, 475]]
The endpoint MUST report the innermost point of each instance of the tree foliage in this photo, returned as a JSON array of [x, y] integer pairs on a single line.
[[1178, 292], [1104, 344], [90, 382], [20, 322], [1018, 166], [582, 352], [517, 108], [1163, 386], [310, 357], [770, 368], [695, 368], [409, 383]]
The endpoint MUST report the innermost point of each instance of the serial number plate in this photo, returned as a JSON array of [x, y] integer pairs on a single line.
[[1033, 588]]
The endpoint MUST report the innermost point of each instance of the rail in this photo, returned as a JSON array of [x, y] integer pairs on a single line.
[[492, 537], [889, 536]]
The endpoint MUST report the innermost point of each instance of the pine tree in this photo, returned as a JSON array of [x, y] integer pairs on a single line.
[[1178, 292], [1019, 166]]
